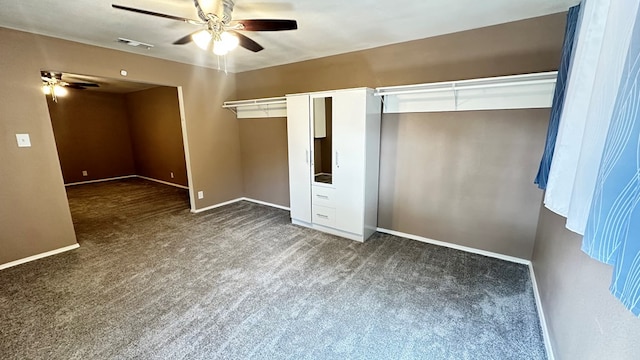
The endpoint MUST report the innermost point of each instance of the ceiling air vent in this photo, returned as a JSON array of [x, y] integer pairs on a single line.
[[135, 43]]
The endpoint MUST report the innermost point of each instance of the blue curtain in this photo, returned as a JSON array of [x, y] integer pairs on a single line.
[[613, 228], [558, 97]]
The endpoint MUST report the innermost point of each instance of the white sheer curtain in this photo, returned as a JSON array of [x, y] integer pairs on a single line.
[[594, 177], [590, 32]]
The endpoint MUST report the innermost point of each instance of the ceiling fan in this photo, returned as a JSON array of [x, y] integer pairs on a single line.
[[52, 84], [220, 33]]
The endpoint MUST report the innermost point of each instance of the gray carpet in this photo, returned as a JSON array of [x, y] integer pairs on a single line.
[[153, 281]]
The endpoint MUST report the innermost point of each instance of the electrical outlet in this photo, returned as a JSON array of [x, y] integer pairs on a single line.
[[84, 173], [172, 174], [200, 194]]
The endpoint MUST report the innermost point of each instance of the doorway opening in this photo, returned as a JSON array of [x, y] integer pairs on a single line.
[[113, 130]]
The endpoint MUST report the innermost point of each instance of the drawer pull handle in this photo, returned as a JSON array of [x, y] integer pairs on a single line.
[[322, 196], [322, 216]]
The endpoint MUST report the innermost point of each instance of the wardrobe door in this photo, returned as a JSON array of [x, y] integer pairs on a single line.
[[299, 139], [349, 114]]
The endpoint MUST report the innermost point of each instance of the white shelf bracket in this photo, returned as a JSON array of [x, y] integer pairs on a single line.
[[232, 109], [455, 96], [265, 109]]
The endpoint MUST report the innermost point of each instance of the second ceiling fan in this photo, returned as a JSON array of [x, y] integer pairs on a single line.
[[220, 33]]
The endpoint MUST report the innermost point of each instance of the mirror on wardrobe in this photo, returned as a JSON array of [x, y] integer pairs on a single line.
[[322, 140]]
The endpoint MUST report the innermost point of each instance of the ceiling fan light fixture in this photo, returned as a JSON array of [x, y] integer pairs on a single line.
[[59, 90], [202, 38], [229, 40], [46, 89], [225, 43]]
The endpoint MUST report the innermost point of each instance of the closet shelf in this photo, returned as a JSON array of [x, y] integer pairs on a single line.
[[258, 108], [503, 92], [526, 91]]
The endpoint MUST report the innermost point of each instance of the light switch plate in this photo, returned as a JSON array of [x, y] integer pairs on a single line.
[[23, 140]]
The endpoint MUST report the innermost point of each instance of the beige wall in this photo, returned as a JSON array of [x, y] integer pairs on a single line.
[[482, 209], [262, 141], [92, 134], [156, 134], [531, 45], [34, 213], [585, 321], [464, 178]]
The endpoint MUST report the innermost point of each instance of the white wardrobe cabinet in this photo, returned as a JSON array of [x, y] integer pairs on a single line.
[[334, 148]]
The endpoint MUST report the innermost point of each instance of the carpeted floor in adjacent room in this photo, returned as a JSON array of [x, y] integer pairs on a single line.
[[153, 281]]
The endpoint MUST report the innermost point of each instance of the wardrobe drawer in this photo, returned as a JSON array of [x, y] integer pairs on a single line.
[[323, 196], [323, 215]]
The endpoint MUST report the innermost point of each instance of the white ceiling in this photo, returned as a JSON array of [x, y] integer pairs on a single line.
[[325, 27]]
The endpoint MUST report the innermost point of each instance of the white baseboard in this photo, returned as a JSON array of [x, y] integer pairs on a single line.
[[38, 256], [163, 182], [128, 177], [266, 203], [101, 180], [541, 316], [239, 199], [456, 246]]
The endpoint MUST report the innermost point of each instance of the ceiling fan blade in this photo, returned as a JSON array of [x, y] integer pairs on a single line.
[[268, 24], [146, 12], [83, 84], [74, 86], [201, 13], [247, 43], [185, 39]]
